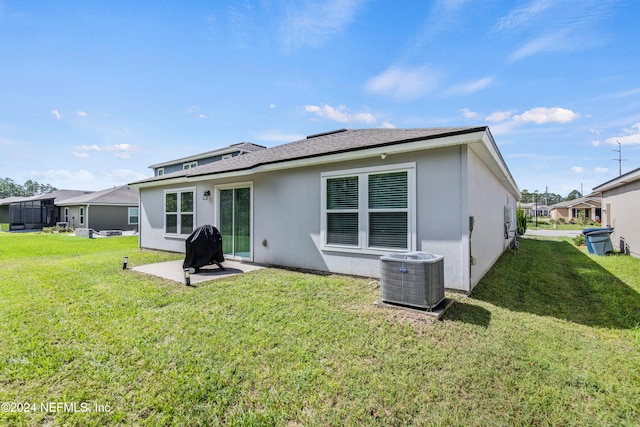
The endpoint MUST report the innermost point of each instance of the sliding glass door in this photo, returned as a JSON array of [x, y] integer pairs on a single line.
[[235, 221]]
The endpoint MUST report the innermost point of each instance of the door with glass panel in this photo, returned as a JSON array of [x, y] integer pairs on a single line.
[[235, 221]]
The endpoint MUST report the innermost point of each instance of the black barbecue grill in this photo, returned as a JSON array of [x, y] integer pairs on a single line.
[[203, 247]]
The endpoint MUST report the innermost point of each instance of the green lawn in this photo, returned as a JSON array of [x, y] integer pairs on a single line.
[[551, 336]]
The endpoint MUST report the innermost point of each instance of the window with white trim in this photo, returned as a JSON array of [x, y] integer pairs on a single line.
[[81, 215], [133, 215], [369, 209], [179, 211], [189, 165]]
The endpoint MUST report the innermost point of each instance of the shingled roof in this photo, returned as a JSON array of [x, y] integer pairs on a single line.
[[242, 147], [335, 142], [122, 195]]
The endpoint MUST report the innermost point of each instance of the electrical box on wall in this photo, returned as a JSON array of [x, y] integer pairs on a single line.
[[507, 214]]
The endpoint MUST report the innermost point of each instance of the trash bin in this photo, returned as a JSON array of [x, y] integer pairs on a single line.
[[414, 279], [598, 240]]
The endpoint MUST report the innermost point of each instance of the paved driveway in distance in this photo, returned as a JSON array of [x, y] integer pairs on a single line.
[[553, 233]]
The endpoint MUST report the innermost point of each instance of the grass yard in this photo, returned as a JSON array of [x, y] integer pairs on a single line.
[[551, 336]]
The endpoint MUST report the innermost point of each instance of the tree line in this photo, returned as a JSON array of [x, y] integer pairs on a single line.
[[9, 188], [546, 198]]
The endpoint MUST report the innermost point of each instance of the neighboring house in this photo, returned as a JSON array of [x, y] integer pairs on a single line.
[[621, 202], [111, 209], [337, 201], [4, 211], [204, 158], [532, 208], [35, 212], [571, 209]]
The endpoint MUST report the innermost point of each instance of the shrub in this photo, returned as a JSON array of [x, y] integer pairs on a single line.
[[579, 240], [56, 229], [521, 221]]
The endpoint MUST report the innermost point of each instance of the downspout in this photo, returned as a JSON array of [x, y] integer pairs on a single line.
[[86, 217]]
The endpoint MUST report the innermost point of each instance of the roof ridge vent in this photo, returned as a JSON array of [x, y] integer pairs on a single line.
[[326, 133]]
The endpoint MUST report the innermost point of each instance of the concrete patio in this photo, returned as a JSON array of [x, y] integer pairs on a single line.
[[172, 270]]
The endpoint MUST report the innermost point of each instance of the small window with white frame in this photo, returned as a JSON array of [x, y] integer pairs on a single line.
[[189, 165], [133, 215], [369, 209]]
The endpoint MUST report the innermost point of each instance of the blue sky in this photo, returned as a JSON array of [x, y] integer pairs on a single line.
[[92, 93]]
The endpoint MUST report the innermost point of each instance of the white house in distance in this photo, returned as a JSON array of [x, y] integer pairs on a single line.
[[620, 205], [337, 201]]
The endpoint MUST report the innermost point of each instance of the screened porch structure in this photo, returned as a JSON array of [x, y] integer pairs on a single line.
[[32, 214]]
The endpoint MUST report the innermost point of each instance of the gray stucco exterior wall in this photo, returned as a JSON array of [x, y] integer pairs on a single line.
[[100, 217], [620, 210], [451, 184]]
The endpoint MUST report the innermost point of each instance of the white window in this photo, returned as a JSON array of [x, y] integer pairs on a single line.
[[133, 215], [189, 165], [160, 172], [179, 211], [370, 209], [81, 215]]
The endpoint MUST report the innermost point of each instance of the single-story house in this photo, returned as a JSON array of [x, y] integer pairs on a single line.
[[621, 202], [571, 209], [532, 208], [111, 209], [35, 212], [339, 200]]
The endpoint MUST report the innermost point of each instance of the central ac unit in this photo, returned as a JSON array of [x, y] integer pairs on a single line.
[[413, 279]]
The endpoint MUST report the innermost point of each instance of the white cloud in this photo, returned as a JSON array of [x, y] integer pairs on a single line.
[[632, 136], [122, 176], [499, 116], [469, 88], [387, 125], [56, 114], [595, 143], [602, 170], [468, 114], [93, 147], [121, 151], [577, 169], [548, 43], [80, 155], [543, 115], [272, 105], [340, 114], [312, 23], [404, 84], [81, 114], [202, 116], [63, 178], [522, 17]]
